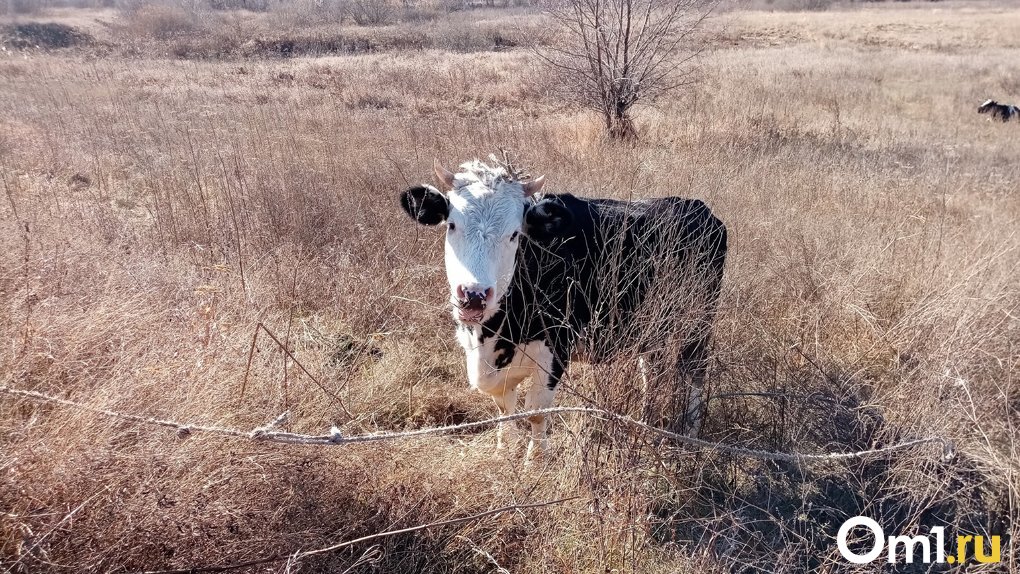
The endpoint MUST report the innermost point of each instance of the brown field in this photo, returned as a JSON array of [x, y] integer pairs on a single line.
[[176, 179]]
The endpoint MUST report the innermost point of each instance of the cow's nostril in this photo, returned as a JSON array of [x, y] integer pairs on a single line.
[[472, 298]]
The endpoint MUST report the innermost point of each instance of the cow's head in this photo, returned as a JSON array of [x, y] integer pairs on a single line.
[[484, 211]]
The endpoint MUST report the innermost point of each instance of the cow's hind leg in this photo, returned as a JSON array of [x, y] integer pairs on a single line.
[[652, 374], [694, 363]]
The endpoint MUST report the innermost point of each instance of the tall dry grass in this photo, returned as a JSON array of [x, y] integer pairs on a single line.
[[156, 211]]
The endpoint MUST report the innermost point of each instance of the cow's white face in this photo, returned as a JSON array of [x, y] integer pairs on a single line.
[[484, 214], [482, 232]]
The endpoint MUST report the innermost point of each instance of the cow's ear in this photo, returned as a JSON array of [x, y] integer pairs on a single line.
[[425, 204], [546, 220]]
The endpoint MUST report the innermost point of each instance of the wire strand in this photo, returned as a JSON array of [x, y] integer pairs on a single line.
[[336, 436]]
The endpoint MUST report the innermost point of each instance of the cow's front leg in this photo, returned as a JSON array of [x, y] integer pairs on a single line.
[[501, 385], [506, 402], [541, 396]]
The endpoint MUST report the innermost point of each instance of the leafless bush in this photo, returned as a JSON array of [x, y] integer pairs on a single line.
[[162, 21], [310, 12], [620, 52], [250, 5], [789, 5], [23, 7], [372, 12]]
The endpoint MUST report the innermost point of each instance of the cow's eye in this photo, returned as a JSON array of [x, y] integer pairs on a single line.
[[514, 236], [452, 226]]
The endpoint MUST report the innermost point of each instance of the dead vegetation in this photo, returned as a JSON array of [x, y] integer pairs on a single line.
[[42, 35], [199, 30], [155, 211]]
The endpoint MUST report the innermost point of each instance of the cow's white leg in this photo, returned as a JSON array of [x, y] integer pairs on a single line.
[[539, 397], [642, 366], [506, 402], [501, 385], [650, 371], [696, 408], [656, 380], [657, 403], [696, 359], [546, 377]]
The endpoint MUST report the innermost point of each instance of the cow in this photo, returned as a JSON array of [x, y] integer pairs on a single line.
[[536, 279], [999, 111]]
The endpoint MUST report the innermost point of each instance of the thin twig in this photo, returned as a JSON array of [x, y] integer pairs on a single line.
[[251, 353], [328, 392]]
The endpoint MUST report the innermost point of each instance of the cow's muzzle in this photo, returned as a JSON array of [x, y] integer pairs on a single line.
[[471, 302]]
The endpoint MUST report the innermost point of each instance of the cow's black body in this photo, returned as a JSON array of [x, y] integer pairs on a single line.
[[1003, 112], [583, 281]]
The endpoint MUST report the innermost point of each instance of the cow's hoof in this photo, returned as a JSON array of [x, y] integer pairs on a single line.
[[693, 429], [536, 452]]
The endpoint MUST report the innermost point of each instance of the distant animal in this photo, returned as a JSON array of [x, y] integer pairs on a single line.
[[999, 111], [538, 278]]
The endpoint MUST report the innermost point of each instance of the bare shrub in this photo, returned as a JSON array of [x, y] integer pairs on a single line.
[[23, 6], [310, 12], [162, 21], [372, 12], [420, 12], [250, 5], [791, 5], [620, 52]]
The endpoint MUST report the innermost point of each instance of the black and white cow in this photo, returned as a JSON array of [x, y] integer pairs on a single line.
[[999, 111], [535, 277]]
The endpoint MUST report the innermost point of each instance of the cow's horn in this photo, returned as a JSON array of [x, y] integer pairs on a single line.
[[534, 186], [444, 175]]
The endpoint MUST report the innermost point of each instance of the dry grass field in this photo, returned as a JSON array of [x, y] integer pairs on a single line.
[[174, 180]]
